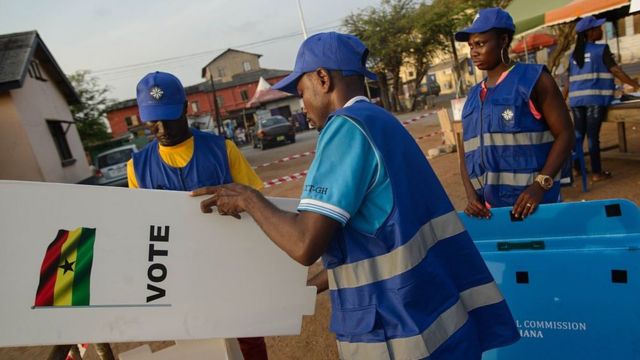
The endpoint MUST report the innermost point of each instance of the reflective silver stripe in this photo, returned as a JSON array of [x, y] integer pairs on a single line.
[[591, 92], [400, 259], [526, 138], [498, 139], [509, 178], [591, 76], [482, 295], [477, 183], [471, 144], [506, 178], [422, 345]]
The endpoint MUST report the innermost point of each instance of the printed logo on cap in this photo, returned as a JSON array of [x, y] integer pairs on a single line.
[[156, 92]]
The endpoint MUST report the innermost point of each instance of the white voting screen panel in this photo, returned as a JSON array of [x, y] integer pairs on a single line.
[[159, 269]]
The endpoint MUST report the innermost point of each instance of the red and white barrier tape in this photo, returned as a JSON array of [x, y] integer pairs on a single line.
[[285, 179], [300, 175], [407, 122], [297, 156], [435, 133], [288, 158]]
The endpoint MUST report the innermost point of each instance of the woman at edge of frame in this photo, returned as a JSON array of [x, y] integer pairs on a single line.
[[517, 130], [592, 69]]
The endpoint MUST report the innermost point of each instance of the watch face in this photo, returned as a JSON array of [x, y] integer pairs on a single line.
[[546, 181]]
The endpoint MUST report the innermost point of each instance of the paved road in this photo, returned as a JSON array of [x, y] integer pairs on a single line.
[[306, 141]]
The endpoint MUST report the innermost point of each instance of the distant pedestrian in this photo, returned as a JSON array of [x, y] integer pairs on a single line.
[[591, 87]]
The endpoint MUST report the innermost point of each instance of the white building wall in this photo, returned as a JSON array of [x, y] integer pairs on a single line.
[[36, 102]]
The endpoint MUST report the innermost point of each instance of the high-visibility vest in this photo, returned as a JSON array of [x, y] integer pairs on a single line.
[[417, 287], [505, 146], [209, 166], [592, 84]]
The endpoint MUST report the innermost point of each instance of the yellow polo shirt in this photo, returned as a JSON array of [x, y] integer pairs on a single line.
[[178, 156]]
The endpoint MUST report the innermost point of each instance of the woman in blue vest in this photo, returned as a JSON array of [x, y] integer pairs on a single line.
[[591, 72], [516, 128]]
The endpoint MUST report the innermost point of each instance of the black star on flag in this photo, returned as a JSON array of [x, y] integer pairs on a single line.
[[67, 266]]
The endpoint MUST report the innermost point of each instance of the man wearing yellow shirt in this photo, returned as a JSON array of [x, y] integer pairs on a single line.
[[185, 159]]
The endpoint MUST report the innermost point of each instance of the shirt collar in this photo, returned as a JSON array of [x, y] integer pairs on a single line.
[[356, 99]]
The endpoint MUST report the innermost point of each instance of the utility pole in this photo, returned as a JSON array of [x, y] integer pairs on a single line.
[[304, 28], [215, 103]]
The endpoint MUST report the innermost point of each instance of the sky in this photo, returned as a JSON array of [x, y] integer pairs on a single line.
[[121, 41]]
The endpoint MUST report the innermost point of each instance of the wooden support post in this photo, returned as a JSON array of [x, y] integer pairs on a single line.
[[622, 137]]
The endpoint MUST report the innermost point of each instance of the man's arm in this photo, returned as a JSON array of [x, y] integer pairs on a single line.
[[304, 236], [320, 281], [131, 175], [241, 170], [548, 99]]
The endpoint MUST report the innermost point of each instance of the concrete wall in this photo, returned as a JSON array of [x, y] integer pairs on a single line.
[[629, 44], [17, 160], [231, 62], [36, 102]]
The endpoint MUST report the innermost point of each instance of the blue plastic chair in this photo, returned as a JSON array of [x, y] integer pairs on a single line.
[[578, 154]]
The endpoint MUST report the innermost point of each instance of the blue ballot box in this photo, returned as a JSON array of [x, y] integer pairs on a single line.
[[571, 276]]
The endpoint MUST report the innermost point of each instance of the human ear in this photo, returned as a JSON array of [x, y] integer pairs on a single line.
[[324, 77]]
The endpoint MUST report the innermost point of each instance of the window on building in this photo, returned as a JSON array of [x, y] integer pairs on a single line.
[[636, 24], [220, 101], [220, 72], [410, 74], [35, 72], [195, 107], [621, 28], [246, 66], [244, 95], [58, 131], [129, 121]]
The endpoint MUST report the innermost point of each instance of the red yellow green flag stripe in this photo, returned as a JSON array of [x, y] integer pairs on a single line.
[[66, 269]]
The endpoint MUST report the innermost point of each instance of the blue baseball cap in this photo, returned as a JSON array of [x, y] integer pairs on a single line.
[[329, 50], [160, 96], [588, 22], [487, 19]]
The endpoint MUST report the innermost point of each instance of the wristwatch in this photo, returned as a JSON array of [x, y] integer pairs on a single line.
[[545, 181]]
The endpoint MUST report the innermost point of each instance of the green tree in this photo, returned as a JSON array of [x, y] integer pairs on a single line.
[[90, 114], [386, 30], [566, 36]]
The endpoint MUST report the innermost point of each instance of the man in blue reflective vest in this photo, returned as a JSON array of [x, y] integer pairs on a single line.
[[405, 279], [183, 159]]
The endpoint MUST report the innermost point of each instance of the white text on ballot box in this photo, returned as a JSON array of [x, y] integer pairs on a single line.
[[100, 264]]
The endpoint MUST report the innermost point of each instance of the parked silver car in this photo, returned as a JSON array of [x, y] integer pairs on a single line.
[[112, 165]]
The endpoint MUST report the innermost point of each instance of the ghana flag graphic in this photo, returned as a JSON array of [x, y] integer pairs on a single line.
[[66, 269]]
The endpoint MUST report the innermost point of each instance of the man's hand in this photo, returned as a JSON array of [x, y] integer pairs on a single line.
[[476, 208], [230, 199], [528, 201]]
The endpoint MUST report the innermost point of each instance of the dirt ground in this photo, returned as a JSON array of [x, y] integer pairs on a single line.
[[315, 341]]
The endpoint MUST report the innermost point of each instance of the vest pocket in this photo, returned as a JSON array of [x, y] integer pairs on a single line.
[[505, 114], [353, 321]]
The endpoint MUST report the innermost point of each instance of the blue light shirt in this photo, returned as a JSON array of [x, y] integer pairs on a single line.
[[347, 180]]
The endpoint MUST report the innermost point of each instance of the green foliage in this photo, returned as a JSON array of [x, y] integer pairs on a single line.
[[91, 113], [385, 30], [406, 32]]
